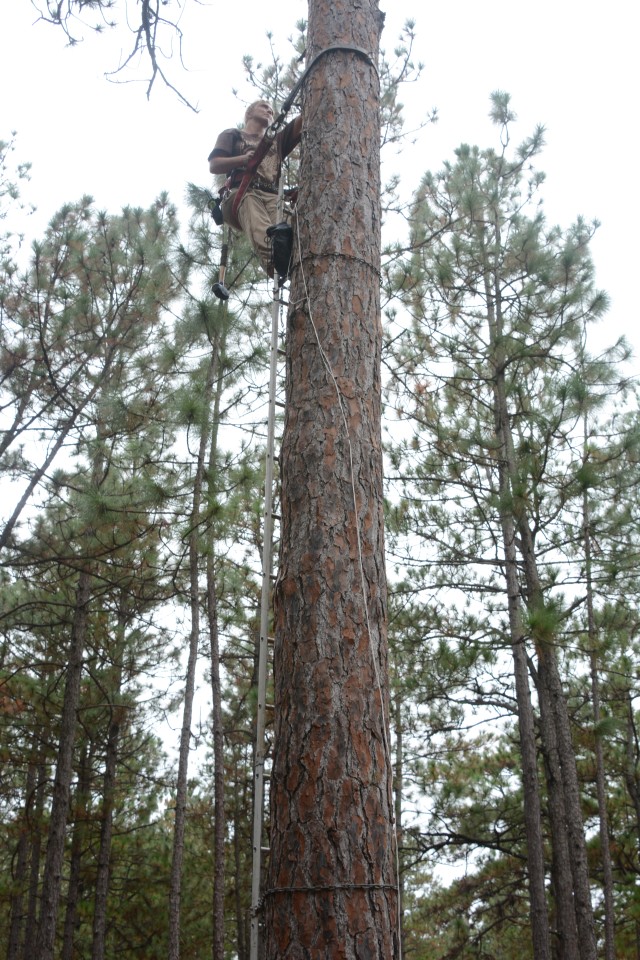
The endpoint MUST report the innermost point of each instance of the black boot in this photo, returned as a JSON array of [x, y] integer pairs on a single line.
[[281, 237]]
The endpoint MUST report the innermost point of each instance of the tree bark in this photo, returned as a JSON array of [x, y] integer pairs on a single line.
[[332, 886]]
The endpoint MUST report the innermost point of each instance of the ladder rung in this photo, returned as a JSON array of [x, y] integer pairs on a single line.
[[279, 403], [265, 849]]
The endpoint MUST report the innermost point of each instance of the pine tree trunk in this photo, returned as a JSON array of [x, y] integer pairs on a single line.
[[331, 889], [34, 865], [631, 778], [52, 878], [74, 886], [16, 926], [398, 786], [558, 726], [104, 853], [538, 911], [607, 870], [98, 946], [238, 842], [566, 931], [550, 679]]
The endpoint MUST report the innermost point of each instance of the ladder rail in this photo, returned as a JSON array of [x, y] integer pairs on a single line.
[[265, 605]]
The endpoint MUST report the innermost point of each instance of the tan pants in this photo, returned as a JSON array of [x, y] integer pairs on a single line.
[[257, 212]]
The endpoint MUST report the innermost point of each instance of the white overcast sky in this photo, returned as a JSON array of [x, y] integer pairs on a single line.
[[569, 64]]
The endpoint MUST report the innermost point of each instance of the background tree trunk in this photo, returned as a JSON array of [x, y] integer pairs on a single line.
[[52, 879], [175, 889], [16, 926], [98, 946], [601, 790], [530, 787], [331, 889], [80, 807], [34, 865]]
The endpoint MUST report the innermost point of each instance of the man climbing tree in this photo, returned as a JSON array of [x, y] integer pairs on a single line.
[[332, 887], [252, 163]]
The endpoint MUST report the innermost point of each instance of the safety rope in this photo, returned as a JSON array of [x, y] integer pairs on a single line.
[[335, 255], [324, 888], [288, 103]]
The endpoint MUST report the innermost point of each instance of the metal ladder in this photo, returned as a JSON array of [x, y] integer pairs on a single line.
[[265, 607]]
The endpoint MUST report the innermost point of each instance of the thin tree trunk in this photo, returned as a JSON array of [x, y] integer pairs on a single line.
[[538, 911], [398, 785], [16, 926], [332, 886], [74, 886], [566, 931], [34, 865], [632, 780], [607, 870], [52, 878], [98, 946], [550, 679], [239, 841], [558, 725], [175, 883], [104, 854]]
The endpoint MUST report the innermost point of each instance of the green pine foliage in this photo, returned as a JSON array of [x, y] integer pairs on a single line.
[[489, 292]]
